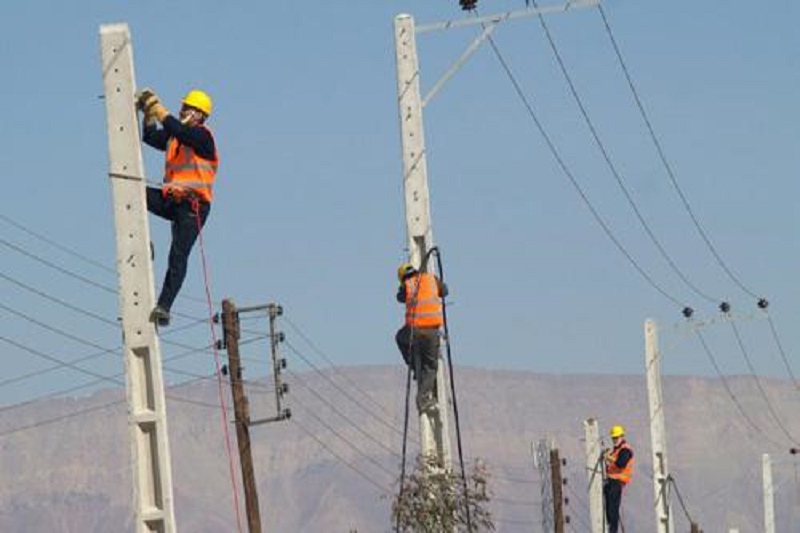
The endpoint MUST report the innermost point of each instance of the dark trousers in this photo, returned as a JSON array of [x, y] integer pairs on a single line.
[[420, 349], [612, 492], [184, 233]]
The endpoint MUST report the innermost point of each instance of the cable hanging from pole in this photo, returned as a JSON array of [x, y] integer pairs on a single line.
[[440, 268]]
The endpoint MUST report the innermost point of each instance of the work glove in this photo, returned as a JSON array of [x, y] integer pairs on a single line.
[[142, 97]]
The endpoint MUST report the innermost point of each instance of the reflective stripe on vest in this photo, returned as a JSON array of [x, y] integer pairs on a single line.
[[423, 304], [184, 169], [613, 471]]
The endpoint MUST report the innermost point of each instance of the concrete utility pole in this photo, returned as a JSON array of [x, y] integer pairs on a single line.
[[594, 470], [769, 495], [434, 425], [434, 428], [658, 431], [147, 418], [557, 482], [241, 409]]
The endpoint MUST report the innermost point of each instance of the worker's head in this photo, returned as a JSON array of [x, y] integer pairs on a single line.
[[196, 107], [405, 270], [617, 432]]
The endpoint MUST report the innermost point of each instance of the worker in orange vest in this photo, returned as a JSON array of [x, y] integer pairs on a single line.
[[619, 471], [418, 339], [190, 170]]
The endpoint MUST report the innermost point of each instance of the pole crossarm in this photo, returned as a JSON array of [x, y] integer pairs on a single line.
[[508, 15]]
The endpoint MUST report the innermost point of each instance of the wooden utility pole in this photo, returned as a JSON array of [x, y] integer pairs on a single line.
[[241, 409], [557, 482]]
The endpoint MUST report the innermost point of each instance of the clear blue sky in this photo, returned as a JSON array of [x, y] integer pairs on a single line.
[[309, 208]]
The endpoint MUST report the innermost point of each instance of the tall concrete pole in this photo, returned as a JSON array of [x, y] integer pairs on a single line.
[[434, 423], [769, 495], [658, 431], [594, 471], [147, 418]]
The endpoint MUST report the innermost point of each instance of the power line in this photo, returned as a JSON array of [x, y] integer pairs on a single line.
[[342, 415], [343, 391], [339, 457], [565, 169], [612, 167], [347, 378], [728, 389], [664, 160], [758, 383]]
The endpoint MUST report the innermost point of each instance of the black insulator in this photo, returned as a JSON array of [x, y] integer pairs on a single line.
[[216, 318], [281, 336], [224, 370], [763, 303], [794, 451], [687, 312], [564, 461], [468, 5], [284, 388], [725, 307], [219, 345], [287, 413], [566, 519], [282, 362], [566, 501], [565, 481]]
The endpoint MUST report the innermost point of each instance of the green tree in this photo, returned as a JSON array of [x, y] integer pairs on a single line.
[[434, 500]]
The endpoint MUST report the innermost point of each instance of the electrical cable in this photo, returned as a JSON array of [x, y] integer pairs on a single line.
[[760, 387], [340, 389], [342, 415], [339, 457], [612, 167], [568, 173], [782, 352], [448, 350], [728, 389], [342, 438], [347, 378], [664, 160]]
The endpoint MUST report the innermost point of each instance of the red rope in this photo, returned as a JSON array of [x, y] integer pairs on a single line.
[[223, 407]]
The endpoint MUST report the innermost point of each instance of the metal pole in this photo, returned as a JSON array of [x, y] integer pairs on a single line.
[[658, 431], [594, 471], [769, 495], [241, 409], [147, 416]]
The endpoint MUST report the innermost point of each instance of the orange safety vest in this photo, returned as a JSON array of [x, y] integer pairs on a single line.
[[613, 471], [185, 170], [423, 303]]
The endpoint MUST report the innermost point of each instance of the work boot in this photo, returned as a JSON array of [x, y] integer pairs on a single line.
[[159, 316], [426, 401]]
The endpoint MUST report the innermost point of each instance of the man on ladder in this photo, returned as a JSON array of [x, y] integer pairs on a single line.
[[189, 174], [418, 339]]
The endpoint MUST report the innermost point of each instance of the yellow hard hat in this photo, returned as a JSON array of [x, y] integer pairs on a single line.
[[617, 431], [403, 270], [199, 100]]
